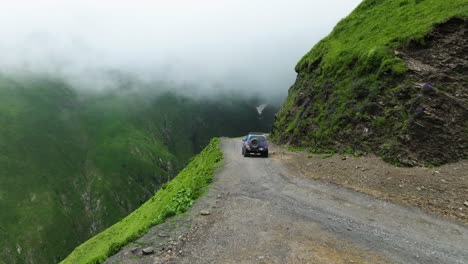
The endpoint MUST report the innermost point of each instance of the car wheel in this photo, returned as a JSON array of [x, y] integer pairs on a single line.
[[246, 154], [265, 154]]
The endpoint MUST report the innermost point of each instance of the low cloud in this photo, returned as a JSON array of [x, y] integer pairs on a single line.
[[247, 46]]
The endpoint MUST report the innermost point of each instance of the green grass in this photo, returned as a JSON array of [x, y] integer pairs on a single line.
[[70, 167], [346, 81], [175, 198], [325, 156], [295, 148], [367, 35], [432, 165], [319, 150], [73, 163]]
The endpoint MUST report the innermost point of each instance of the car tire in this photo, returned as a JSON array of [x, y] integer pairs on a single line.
[[265, 154], [254, 143]]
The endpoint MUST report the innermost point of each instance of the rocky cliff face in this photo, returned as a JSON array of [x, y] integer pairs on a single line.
[[390, 79], [437, 95]]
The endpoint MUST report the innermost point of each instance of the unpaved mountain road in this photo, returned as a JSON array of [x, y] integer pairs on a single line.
[[262, 213]]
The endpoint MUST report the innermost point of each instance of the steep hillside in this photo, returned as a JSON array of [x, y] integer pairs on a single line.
[[390, 79], [73, 163], [174, 198]]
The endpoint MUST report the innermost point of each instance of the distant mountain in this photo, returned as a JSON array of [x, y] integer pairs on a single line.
[[390, 79], [73, 163]]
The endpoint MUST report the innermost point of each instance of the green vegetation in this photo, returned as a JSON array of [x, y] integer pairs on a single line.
[[366, 37], [319, 150], [432, 165], [325, 156], [345, 93], [175, 198], [72, 163], [295, 148]]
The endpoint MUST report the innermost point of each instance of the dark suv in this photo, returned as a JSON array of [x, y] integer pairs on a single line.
[[255, 143]]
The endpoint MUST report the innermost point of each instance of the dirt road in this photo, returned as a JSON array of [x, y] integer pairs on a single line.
[[259, 212]]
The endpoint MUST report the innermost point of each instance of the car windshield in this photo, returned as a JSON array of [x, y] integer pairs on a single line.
[[259, 138]]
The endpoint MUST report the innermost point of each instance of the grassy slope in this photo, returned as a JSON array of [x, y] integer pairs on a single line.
[[375, 26], [175, 197], [341, 77], [58, 173], [72, 164]]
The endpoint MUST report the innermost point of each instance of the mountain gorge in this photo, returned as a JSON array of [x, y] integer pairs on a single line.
[[390, 79], [75, 161]]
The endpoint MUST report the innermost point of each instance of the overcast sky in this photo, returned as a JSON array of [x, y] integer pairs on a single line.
[[235, 44]]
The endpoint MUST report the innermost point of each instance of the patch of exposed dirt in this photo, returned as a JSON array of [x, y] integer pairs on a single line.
[[442, 190], [442, 58], [439, 97]]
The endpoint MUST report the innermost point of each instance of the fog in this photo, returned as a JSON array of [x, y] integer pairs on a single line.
[[242, 45]]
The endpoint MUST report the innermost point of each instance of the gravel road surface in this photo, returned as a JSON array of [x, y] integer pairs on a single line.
[[259, 212]]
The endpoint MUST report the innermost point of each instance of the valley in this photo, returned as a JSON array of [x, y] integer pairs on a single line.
[[115, 118], [74, 162]]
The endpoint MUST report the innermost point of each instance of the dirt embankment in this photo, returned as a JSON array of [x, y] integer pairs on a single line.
[[439, 97], [442, 190]]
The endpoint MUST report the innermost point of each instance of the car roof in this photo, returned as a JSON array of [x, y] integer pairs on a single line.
[[256, 135]]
